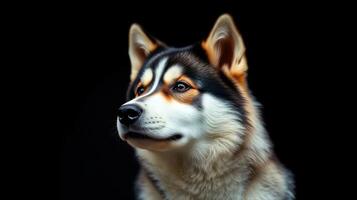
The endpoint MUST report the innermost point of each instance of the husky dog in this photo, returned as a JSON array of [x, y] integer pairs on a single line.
[[194, 125]]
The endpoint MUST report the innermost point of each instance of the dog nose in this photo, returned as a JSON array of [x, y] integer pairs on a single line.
[[128, 114]]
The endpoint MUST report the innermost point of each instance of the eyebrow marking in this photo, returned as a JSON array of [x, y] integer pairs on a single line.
[[172, 74], [158, 74], [146, 78]]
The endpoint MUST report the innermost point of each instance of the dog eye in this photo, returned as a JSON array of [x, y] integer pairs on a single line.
[[181, 87], [140, 90]]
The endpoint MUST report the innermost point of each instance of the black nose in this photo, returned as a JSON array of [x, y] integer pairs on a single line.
[[128, 114]]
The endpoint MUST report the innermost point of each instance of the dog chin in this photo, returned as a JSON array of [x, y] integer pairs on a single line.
[[144, 141]]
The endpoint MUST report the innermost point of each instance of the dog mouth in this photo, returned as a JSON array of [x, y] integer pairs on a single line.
[[137, 135]]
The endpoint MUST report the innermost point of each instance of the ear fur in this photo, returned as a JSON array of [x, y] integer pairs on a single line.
[[140, 46], [225, 48]]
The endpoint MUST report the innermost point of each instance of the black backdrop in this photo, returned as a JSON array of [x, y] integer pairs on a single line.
[[91, 70]]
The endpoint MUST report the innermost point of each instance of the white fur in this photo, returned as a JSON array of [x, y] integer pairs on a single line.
[[219, 126], [147, 76], [211, 138], [206, 162], [172, 73], [158, 73], [170, 118]]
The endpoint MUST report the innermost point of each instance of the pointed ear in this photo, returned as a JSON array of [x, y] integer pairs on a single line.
[[140, 46], [225, 47]]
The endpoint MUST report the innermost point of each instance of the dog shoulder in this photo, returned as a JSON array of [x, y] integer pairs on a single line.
[[272, 182]]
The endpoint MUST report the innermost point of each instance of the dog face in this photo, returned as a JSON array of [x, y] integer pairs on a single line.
[[181, 98]]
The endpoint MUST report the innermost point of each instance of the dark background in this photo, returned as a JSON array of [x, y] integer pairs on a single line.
[[86, 48]]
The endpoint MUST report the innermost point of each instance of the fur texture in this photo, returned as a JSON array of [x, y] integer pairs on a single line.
[[199, 134]]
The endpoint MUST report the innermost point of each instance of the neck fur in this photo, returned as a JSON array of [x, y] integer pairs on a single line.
[[198, 167]]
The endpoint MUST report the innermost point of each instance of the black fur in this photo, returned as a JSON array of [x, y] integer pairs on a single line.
[[196, 66]]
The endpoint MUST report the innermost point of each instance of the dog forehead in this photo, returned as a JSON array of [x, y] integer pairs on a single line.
[[153, 70], [162, 69], [166, 65], [158, 71]]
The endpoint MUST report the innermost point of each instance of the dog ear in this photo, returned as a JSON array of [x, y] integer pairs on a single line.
[[140, 46], [225, 48]]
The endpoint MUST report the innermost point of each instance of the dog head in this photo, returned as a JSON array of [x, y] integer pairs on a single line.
[[184, 97]]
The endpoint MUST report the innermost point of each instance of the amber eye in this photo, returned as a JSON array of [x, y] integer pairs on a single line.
[[140, 90], [181, 87]]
